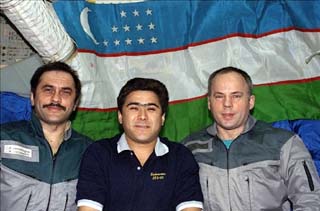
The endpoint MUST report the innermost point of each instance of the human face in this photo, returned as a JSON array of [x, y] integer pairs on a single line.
[[54, 98], [230, 102], [141, 117]]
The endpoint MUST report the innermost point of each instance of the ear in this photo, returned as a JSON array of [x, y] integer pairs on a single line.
[[209, 104], [32, 98], [76, 105], [120, 117], [252, 100], [163, 119]]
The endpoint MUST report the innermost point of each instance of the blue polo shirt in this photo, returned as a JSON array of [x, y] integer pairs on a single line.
[[112, 179]]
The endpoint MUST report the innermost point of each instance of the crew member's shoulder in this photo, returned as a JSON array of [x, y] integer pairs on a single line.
[[267, 128], [173, 146], [14, 126], [81, 137], [270, 135], [201, 135], [105, 143]]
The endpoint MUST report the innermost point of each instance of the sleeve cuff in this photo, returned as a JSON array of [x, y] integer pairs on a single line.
[[90, 203], [188, 204]]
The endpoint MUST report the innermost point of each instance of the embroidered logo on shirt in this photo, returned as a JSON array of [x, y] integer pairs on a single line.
[[157, 176]]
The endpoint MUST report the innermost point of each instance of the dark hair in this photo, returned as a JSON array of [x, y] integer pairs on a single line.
[[55, 66], [144, 84], [229, 69]]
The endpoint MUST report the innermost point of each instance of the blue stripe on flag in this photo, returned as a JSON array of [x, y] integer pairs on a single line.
[[162, 25]]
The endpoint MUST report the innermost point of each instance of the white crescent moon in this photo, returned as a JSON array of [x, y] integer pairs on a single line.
[[85, 24]]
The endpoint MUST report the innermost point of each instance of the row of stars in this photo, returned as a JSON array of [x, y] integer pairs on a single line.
[[128, 41], [135, 13], [138, 27]]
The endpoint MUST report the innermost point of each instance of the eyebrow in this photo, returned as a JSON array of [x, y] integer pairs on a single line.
[[143, 104], [67, 88], [235, 92], [46, 85], [52, 86]]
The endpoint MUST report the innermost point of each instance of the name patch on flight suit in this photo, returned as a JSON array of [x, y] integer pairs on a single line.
[[157, 176], [15, 150]]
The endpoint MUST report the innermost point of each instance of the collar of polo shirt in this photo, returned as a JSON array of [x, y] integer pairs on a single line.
[[160, 149]]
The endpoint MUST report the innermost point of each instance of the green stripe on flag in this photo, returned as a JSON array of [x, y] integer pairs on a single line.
[[184, 118], [294, 101], [96, 125], [273, 103]]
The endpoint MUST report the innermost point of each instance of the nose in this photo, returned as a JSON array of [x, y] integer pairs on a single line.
[[56, 96], [227, 101], [142, 115]]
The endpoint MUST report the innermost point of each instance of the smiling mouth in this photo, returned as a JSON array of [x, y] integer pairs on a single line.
[[227, 116], [55, 108], [142, 126]]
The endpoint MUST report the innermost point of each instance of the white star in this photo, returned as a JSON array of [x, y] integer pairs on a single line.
[[105, 43], [114, 29], [135, 13], [141, 40], [126, 28], [154, 40], [123, 14], [139, 27], [151, 26], [116, 42], [149, 12], [128, 41]]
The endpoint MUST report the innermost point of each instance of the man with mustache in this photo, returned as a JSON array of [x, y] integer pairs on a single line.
[[40, 158], [245, 164], [138, 170]]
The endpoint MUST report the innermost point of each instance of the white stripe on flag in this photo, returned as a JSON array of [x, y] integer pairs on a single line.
[[273, 58]]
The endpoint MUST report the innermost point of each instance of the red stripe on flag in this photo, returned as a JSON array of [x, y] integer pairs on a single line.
[[299, 81], [253, 36], [306, 80]]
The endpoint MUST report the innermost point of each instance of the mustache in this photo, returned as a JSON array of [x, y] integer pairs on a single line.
[[56, 105]]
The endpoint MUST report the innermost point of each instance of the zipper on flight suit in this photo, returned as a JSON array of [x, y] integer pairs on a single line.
[[51, 179], [249, 193], [28, 202], [66, 202], [309, 177], [228, 176]]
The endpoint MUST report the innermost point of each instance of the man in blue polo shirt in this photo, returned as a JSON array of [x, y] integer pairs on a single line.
[[138, 170]]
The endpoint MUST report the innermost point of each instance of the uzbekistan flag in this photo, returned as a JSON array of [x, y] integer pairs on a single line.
[[181, 43]]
